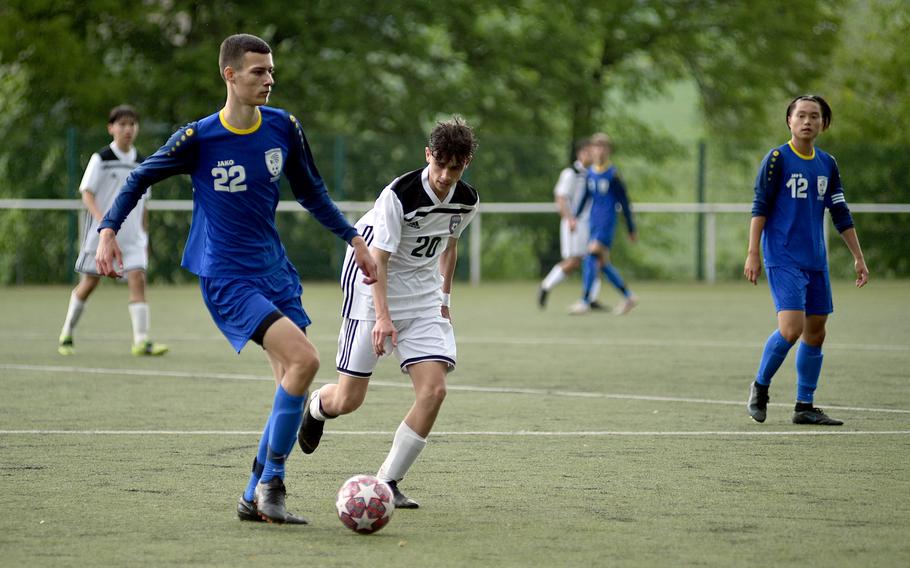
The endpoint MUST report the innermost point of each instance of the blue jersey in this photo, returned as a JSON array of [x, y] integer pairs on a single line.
[[605, 190], [792, 191], [236, 175]]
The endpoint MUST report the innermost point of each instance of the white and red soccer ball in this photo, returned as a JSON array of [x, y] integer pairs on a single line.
[[364, 504]]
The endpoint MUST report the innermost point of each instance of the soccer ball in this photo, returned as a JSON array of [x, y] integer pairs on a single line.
[[364, 504]]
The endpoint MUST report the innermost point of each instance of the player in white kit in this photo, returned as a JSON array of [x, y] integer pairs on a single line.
[[413, 230], [573, 231], [105, 174]]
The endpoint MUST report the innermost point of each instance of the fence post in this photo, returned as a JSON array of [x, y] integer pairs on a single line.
[[72, 191], [700, 216], [474, 250]]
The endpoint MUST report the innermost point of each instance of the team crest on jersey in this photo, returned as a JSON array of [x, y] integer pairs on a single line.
[[822, 186], [453, 223], [273, 162]]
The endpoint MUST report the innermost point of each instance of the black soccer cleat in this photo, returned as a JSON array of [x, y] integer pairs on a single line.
[[598, 307], [310, 431], [401, 500], [247, 511], [815, 416], [758, 402], [542, 297], [270, 500]]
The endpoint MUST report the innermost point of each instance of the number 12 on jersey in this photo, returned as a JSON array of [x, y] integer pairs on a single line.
[[798, 186]]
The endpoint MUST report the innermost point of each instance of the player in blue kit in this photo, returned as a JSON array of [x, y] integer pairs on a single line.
[[235, 159], [606, 190], [795, 183]]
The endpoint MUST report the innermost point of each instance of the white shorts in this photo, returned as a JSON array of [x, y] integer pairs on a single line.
[[419, 339], [134, 258], [573, 243]]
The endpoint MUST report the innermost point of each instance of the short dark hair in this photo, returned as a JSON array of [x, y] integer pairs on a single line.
[[827, 115], [452, 139], [581, 144], [233, 47], [122, 111]]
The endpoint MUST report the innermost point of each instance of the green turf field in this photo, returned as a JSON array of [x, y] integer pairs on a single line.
[[564, 441]]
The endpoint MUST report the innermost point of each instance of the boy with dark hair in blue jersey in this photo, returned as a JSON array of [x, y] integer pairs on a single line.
[[606, 190], [235, 159], [795, 183]]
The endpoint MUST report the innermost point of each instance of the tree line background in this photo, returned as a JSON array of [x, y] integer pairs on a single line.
[[368, 80]]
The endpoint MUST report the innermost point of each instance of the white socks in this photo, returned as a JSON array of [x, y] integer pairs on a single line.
[[315, 408], [139, 315], [72, 315], [595, 289], [555, 276], [406, 446]]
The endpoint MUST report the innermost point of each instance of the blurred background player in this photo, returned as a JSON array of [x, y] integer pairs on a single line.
[[573, 231], [795, 183], [605, 191], [106, 172], [235, 158], [413, 231]]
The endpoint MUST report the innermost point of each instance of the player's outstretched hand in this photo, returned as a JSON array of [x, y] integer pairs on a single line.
[[365, 261], [752, 269], [108, 257], [382, 329], [862, 273]]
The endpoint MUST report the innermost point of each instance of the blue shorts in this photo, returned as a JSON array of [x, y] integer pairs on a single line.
[[807, 291], [603, 234], [239, 304]]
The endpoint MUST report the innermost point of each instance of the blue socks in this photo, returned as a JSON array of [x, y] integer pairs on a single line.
[[588, 275], [615, 279], [808, 368], [287, 414], [259, 463], [776, 349]]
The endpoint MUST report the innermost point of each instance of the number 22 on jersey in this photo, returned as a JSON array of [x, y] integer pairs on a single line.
[[230, 179]]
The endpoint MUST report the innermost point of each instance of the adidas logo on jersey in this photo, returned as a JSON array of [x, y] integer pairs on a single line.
[[413, 224]]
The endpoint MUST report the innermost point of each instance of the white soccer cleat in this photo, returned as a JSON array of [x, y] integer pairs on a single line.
[[625, 306], [579, 308]]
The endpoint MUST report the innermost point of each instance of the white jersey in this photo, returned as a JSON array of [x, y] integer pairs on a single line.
[[572, 185], [414, 225], [105, 174]]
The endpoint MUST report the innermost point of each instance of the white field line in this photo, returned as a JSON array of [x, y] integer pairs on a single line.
[[519, 341], [505, 433], [390, 384]]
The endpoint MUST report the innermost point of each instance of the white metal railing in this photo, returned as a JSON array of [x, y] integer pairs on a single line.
[[710, 211]]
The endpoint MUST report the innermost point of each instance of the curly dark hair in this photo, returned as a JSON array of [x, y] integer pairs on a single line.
[[452, 139], [827, 115]]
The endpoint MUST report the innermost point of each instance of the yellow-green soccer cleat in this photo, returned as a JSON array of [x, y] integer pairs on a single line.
[[66, 346], [149, 348]]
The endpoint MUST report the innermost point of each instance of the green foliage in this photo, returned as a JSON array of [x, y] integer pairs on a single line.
[[369, 81]]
